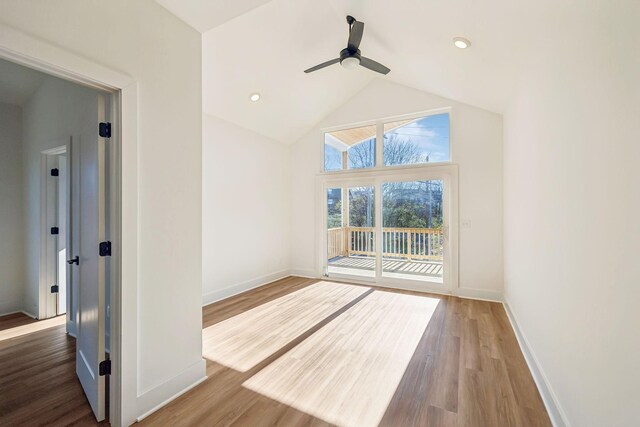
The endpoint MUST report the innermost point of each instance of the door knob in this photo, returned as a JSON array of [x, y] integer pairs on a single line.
[[75, 261]]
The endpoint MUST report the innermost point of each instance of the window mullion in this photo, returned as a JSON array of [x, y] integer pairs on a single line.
[[379, 144]]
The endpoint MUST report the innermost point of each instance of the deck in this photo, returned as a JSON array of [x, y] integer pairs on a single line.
[[342, 264]]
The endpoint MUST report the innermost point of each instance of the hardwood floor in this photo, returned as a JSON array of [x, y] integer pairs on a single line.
[[464, 369], [38, 383], [244, 340]]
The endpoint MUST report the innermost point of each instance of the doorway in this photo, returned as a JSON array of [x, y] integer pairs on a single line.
[[55, 229], [392, 228], [67, 186]]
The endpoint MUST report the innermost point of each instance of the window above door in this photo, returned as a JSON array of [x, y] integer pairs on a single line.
[[419, 139]]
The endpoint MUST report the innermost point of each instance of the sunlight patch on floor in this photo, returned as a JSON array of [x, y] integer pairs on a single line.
[[347, 372], [246, 339], [30, 328]]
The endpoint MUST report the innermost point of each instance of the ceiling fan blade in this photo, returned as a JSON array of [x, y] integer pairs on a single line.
[[324, 64], [355, 35], [374, 66]]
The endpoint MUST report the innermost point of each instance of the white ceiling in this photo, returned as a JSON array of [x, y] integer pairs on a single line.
[[18, 83], [266, 49], [204, 15]]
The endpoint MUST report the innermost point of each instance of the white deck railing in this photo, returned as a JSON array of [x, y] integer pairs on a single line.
[[405, 243]]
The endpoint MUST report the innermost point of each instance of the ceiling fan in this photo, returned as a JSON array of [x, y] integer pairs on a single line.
[[350, 56]]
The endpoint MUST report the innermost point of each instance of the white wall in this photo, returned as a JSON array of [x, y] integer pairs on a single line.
[[245, 209], [162, 338], [476, 141], [51, 115], [572, 204], [11, 239]]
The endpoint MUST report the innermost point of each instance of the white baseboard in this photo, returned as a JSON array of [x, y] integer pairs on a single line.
[[19, 311], [26, 313], [238, 288], [557, 415], [10, 308], [307, 274], [6, 313], [479, 294], [171, 389]]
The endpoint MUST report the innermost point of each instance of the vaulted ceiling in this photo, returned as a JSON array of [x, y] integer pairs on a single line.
[[264, 46]]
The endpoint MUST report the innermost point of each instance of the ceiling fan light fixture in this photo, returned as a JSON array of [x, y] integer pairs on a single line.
[[461, 42], [350, 57], [350, 63]]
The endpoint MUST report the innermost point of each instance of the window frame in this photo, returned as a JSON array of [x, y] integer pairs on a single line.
[[379, 142]]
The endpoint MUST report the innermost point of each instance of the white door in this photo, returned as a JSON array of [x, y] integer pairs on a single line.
[[90, 327]]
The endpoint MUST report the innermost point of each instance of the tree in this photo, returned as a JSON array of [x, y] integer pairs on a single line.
[[415, 204], [395, 151], [361, 207], [405, 204]]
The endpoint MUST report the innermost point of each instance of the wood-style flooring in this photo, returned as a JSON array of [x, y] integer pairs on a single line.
[[38, 383], [464, 368]]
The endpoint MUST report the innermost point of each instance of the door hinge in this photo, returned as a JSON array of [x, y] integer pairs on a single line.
[[55, 289], [55, 172], [55, 230], [105, 130], [105, 249], [104, 368]]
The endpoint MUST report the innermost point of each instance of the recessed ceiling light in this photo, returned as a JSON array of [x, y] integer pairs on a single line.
[[461, 42], [254, 97]]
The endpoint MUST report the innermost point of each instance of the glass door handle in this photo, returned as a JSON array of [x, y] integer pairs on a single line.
[[75, 261]]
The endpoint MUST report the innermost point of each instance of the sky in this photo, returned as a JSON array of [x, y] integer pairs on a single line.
[[430, 133]]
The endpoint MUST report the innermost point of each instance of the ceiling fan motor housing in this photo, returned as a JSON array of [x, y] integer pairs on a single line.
[[347, 53]]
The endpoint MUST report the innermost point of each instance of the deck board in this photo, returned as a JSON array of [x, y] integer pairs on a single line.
[[409, 267]]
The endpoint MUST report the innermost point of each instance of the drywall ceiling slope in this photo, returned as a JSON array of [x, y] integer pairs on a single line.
[[266, 50], [18, 83], [204, 15]]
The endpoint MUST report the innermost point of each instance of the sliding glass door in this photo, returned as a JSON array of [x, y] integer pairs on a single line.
[[389, 228], [351, 231], [413, 230]]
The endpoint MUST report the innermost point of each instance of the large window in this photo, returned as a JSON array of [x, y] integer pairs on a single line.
[[410, 141]]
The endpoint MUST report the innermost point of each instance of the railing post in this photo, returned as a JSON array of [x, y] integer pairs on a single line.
[[409, 244], [347, 240]]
